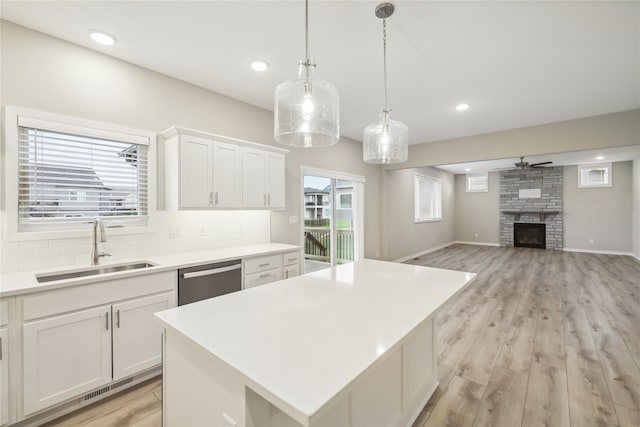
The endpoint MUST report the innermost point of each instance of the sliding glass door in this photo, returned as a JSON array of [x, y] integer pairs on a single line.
[[332, 222]]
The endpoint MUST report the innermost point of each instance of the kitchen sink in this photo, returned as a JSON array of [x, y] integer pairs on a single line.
[[93, 271]]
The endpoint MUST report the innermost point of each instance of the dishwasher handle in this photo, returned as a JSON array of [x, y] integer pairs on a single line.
[[211, 271]]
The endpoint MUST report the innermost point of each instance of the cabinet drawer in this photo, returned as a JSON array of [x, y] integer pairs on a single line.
[[262, 278], [289, 271], [255, 265], [82, 296], [291, 258]]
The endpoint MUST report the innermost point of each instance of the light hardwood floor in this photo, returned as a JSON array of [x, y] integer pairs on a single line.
[[542, 338]]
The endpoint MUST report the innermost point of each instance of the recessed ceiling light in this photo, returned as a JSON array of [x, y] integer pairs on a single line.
[[102, 37], [463, 107], [468, 169], [259, 65], [600, 158]]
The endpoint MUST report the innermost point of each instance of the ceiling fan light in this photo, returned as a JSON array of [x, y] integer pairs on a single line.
[[463, 107]]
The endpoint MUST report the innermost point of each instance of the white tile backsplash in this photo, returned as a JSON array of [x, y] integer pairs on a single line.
[[221, 229]]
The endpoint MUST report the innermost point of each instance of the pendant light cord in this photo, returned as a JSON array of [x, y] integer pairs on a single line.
[[384, 56]]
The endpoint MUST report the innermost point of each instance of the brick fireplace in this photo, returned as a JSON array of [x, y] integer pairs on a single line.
[[532, 196]]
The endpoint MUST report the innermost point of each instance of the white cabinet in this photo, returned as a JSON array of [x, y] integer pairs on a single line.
[[196, 172], [208, 171], [262, 270], [79, 339], [263, 179], [290, 264], [270, 268], [227, 175], [137, 336], [65, 356], [4, 363]]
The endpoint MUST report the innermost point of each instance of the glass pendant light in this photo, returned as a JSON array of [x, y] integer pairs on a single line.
[[306, 112], [385, 140]]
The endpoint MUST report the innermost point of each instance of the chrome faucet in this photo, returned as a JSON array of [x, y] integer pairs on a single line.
[[98, 228]]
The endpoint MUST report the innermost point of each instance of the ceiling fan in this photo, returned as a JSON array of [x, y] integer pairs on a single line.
[[522, 165]]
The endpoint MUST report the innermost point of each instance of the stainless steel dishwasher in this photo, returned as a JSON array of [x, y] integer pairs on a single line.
[[208, 281]]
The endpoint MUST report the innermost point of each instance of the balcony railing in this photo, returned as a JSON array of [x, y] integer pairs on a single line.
[[317, 245]]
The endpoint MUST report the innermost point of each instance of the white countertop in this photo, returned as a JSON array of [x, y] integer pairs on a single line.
[[25, 282], [304, 339]]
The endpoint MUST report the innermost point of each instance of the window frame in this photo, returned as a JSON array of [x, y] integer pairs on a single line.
[[478, 175], [339, 201], [603, 165], [74, 229], [416, 217]]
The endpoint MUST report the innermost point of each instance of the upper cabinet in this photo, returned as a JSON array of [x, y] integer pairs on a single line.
[[208, 171], [263, 179]]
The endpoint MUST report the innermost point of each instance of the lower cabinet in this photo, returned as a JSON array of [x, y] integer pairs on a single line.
[[4, 376], [270, 268], [137, 343], [77, 340], [65, 356]]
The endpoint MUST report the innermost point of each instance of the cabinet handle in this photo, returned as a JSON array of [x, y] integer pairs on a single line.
[[268, 199], [264, 265], [291, 259], [0, 348], [262, 276], [106, 320], [118, 318], [216, 198], [286, 274], [265, 200], [211, 197]]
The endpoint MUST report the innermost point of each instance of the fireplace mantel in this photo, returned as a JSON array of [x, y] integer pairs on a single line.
[[541, 212]]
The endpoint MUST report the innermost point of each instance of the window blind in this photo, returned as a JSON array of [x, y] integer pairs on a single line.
[[477, 182], [428, 199], [67, 178]]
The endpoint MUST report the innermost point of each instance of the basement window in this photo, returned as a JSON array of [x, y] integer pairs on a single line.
[[594, 175], [427, 198], [477, 182], [69, 175]]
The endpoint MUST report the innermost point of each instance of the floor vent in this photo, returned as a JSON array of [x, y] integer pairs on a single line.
[[87, 398]]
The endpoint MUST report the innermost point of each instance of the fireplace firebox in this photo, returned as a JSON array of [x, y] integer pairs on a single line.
[[529, 235]]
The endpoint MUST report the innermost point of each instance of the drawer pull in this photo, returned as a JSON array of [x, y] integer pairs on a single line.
[[264, 265], [262, 276], [292, 259]]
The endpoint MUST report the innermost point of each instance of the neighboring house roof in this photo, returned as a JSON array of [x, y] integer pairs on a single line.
[[310, 190], [61, 175]]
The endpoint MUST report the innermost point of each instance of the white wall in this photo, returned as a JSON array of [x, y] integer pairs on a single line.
[[635, 239], [83, 83], [477, 213], [403, 238], [598, 219]]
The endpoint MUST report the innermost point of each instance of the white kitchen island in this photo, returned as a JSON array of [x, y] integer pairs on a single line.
[[348, 346]]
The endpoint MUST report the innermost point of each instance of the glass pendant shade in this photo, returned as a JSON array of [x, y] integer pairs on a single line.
[[306, 112], [385, 141]]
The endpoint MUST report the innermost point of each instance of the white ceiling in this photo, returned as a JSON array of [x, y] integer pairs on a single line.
[[517, 63], [617, 154]]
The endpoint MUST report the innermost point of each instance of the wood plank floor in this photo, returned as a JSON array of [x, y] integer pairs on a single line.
[[542, 338]]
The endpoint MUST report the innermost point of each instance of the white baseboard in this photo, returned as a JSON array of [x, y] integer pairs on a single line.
[[592, 251], [477, 243], [426, 251]]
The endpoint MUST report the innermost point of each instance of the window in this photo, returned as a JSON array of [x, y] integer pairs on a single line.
[[477, 182], [427, 198], [594, 175], [70, 174], [345, 201]]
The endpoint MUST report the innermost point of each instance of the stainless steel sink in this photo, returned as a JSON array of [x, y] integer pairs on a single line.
[[93, 271]]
